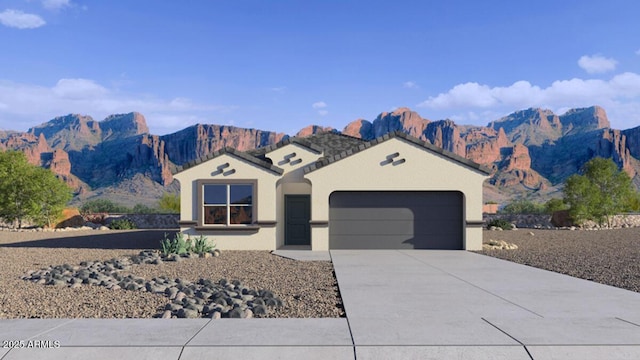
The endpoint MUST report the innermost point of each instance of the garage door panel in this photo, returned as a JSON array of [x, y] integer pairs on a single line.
[[367, 227], [373, 242], [396, 220], [386, 213]]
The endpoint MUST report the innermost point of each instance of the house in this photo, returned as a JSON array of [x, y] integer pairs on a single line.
[[332, 191]]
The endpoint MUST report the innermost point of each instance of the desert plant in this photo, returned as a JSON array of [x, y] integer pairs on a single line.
[[523, 207], [500, 223], [554, 205], [29, 192], [122, 224], [143, 209], [169, 203], [177, 245], [601, 192], [201, 245], [102, 206]]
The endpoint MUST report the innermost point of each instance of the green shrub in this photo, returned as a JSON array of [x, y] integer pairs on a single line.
[[122, 224], [523, 207], [102, 206], [169, 203], [201, 245], [178, 245], [143, 209], [500, 223], [554, 205]]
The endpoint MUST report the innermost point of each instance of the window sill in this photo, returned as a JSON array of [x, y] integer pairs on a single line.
[[228, 228]]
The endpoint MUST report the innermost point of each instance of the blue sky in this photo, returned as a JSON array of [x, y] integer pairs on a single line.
[[282, 65]]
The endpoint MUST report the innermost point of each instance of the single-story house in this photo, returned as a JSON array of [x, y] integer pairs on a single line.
[[333, 191]]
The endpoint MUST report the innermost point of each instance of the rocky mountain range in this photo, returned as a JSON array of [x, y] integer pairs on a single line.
[[531, 151]]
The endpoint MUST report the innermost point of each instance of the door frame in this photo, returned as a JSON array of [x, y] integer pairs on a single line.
[[286, 223]]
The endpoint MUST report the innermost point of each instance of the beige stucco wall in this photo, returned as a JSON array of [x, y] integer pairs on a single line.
[[421, 171], [282, 158], [263, 238]]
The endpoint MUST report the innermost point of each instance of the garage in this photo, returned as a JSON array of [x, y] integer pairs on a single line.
[[396, 220]]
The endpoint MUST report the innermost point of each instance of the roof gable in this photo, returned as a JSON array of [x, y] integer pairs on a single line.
[[234, 153], [397, 134], [260, 152]]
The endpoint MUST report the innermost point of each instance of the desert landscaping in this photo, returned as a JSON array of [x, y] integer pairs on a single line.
[[306, 289], [610, 257]]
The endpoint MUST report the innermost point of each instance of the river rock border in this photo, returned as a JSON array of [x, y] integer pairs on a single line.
[[204, 298]]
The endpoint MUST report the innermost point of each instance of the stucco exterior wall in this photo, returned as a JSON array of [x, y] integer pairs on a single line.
[[292, 157], [420, 171], [260, 237]]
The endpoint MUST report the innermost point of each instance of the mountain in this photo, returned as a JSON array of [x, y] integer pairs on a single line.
[[531, 151]]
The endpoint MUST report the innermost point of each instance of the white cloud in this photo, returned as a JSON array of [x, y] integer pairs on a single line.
[[410, 85], [638, 52], [278, 89], [319, 105], [620, 97], [323, 112], [78, 89], [56, 4], [597, 64], [27, 105], [20, 20]]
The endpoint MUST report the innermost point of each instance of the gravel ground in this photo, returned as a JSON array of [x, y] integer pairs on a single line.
[[610, 257], [307, 289]]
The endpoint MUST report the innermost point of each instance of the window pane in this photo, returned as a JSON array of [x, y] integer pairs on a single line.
[[215, 215], [215, 194], [241, 214], [241, 194]]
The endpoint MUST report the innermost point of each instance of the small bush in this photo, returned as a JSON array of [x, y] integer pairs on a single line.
[[523, 207], [201, 245], [500, 223], [554, 205], [143, 209], [122, 224], [169, 203], [177, 245], [102, 206]]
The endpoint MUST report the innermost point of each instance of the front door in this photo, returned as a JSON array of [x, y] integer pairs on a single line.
[[297, 213]]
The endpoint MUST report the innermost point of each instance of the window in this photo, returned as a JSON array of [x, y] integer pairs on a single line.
[[227, 204]]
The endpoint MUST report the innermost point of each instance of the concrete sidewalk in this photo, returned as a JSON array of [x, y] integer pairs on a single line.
[[399, 304]]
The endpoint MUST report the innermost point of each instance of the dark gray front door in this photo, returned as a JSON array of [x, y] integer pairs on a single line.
[[297, 213], [396, 220]]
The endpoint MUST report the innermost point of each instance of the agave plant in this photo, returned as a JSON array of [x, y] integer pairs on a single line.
[[201, 245]]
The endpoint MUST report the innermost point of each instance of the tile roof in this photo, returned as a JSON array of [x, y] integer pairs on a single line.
[[396, 134], [334, 145], [260, 152], [233, 152]]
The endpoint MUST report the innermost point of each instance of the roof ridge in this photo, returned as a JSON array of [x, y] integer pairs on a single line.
[[396, 134], [232, 151]]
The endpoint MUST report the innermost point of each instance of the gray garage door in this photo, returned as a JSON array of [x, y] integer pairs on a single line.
[[396, 220]]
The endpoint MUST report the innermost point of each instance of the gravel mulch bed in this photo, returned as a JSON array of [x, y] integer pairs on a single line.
[[610, 257], [307, 289]]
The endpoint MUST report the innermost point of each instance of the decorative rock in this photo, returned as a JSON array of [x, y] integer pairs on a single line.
[[497, 245], [204, 298], [179, 296], [187, 313]]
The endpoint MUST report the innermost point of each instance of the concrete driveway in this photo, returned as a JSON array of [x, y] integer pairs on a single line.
[[455, 304], [400, 305]]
